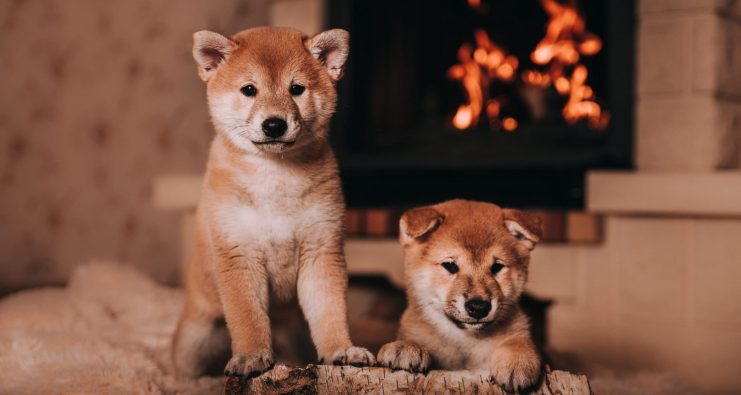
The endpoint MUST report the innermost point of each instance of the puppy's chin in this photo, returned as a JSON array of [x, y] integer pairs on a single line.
[[274, 147], [475, 326], [468, 325]]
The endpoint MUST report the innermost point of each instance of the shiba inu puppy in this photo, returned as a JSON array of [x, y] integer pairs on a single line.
[[270, 219], [466, 264]]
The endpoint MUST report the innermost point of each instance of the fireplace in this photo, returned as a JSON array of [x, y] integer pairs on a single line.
[[395, 134]]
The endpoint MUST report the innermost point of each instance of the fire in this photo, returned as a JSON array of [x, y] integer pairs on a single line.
[[474, 83], [580, 105], [475, 4], [536, 78], [509, 124], [478, 67], [566, 38], [565, 42], [493, 108]]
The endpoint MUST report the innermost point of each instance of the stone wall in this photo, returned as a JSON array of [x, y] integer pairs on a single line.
[[689, 85], [659, 295]]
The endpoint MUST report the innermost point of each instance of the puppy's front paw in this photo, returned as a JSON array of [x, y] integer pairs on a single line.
[[355, 356], [516, 372], [404, 355], [249, 365]]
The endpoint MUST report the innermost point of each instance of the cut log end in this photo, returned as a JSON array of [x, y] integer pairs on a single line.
[[324, 379]]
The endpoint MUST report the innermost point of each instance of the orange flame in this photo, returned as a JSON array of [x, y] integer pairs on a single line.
[[580, 105], [536, 78], [478, 67], [566, 37], [509, 124], [475, 4], [565, 42]]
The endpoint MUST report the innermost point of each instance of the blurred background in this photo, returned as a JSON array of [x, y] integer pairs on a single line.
[[98, 99], [618, 121]]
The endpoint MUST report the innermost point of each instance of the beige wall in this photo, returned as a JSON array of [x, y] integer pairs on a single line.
[[99, 97], [658, 295], [305, 15], [688, 110]]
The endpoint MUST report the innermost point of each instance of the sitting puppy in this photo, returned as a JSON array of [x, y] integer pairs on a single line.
[[466, 264], [270, 219]]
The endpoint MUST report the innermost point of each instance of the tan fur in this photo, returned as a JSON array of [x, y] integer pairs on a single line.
[[270, 219], [436, 327]]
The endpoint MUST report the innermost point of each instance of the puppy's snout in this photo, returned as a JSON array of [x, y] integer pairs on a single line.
[[274, 127], [478, 308]]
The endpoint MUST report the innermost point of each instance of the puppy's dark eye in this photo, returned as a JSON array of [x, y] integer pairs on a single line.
[[450, 266], [297, 89], [496, 268], [249, 90]]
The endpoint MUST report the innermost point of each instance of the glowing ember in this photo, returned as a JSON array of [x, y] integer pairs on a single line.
[[475, 4], [492, 109], [509, 124], [536, 78], [463, 117], [478, 67], [562, 85]]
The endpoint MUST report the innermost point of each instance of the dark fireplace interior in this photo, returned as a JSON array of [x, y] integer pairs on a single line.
[[394, 134]]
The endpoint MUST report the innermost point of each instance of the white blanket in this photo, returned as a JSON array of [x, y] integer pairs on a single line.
[[108, 331]]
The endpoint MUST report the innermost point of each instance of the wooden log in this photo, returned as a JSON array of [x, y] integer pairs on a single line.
[[325, 379]]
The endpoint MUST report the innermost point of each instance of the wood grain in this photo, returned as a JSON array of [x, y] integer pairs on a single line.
[[324, 379]]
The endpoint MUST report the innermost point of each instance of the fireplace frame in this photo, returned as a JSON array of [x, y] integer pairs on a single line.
[[386, 180]]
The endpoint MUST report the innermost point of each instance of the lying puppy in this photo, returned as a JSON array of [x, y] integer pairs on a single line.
[[466, 264], [270, 219]]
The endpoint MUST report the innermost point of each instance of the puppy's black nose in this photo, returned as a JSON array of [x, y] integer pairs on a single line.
[[478, 308], [274, 127]]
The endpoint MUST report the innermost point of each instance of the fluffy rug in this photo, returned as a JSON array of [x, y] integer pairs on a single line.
[[108, 331]]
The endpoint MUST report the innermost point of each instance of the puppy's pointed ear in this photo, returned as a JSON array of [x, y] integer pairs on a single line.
[[526, 227], [331, 48], [417, 223], [210, 50]]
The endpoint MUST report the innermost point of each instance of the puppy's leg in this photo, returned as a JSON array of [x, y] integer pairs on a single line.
[[405, 355], [243, 287], [515, 365], [201, 342], [322, 287]]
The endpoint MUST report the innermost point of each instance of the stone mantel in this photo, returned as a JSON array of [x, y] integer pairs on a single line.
[[608, 192], [715, 193]]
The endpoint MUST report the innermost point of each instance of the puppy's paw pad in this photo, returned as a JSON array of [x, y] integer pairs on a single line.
[[355, 356], [404, 355], [249, 365]]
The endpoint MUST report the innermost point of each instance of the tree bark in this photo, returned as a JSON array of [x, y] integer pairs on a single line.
[[324, 379]]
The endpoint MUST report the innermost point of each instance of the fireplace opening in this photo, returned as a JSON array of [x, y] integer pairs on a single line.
[[410, 128]]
